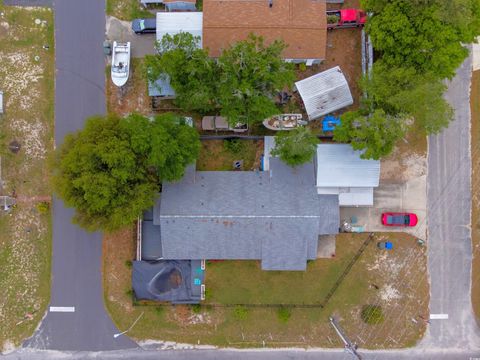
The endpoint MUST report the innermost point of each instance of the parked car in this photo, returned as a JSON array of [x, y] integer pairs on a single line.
[[399, 219], [144, 26]]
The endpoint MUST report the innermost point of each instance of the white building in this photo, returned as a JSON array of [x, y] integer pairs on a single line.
[[173, 23], [341, 170]]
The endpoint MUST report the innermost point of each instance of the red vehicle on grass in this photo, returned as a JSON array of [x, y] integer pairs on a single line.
[[345, 18], [399, 219]]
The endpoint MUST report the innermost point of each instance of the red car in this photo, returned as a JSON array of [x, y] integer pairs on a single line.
[[399, 219]]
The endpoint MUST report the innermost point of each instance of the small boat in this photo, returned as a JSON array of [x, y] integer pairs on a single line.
[[284, 122], [120, 63]]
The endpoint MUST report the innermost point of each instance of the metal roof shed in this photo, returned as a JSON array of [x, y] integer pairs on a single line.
[[176, 22], [324, 92]]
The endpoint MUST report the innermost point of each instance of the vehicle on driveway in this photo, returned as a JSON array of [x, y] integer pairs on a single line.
[[144, 26], [399, 219]]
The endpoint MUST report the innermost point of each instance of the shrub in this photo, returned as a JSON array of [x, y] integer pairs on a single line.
[[284, 314], [302, 66], [160, 310], [128, 263], [240, 313], [372, 314], [196, 308], [43, 207]]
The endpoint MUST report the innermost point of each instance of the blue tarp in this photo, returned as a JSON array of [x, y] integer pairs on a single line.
[[329, 123]]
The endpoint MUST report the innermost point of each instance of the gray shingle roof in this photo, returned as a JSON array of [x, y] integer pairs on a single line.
[[274, 216]]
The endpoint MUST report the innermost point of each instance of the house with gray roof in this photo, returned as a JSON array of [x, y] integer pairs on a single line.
[[275, 215]]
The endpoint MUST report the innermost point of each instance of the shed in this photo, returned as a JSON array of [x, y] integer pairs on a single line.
[[341, 170], [324, 92], [161, 88], [176, 22]]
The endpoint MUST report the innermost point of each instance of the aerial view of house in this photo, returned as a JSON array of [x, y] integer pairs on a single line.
[[218, 178]]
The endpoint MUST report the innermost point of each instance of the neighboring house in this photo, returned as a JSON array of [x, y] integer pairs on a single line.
[[342, 172], [324, 93], [301, 24], [175, 22]]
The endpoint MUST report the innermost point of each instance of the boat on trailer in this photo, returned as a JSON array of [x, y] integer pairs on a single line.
[[284, 122], [120, 63]]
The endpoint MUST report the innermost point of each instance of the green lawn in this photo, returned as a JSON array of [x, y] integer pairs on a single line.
[[27, 80], [217, 155], [233, 282]]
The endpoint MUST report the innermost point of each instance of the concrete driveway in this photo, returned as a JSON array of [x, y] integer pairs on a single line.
[[119, 30], [404, 196]]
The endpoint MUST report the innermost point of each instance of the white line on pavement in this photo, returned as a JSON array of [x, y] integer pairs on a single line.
[[438, 316], [62, 308]]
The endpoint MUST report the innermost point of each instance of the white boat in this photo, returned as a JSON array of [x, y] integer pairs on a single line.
[[120, 63], [284, 122]]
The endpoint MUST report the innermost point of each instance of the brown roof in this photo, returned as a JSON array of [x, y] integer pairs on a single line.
[[301, 24]]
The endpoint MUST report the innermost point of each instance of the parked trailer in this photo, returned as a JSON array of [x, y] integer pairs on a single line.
[[345, 18]]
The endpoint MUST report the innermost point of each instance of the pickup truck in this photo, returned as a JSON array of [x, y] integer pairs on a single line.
[[345, 18]]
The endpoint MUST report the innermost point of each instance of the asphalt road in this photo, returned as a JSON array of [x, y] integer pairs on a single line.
[[248, 355], [449, 219], [76, 263]]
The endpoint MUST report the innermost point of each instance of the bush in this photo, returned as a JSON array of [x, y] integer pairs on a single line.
[[372, 314], [234, 146], [284, 314], [160, 310], [240, 313], [196, 308], [302, 66], [128, 263], [43, 207]]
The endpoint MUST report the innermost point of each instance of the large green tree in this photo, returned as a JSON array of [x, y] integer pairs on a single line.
[[418, 34], [375, 133], [241, 84], [193, 75], [110, 171], [295, 147], [251, 73], [401, 90]]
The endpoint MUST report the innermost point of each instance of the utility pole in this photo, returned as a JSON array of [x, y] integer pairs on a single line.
[[350, 347]]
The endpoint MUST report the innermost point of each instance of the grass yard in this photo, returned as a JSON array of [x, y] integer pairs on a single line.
[[400, 276], [475, 107], [219, 155], [27, 81], [127, 9]]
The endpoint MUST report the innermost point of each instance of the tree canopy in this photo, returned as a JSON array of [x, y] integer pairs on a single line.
[[295, 147], [110, 171], [193, 75], [251, 73], [375, 133], [401, 90], [426, 35], [241, 84]]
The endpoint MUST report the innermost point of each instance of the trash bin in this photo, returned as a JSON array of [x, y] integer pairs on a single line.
[[107, 48], [385, 245]]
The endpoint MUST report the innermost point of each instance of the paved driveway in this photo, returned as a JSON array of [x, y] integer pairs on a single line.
[[76, 263], [141, 45], [407, 196]]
